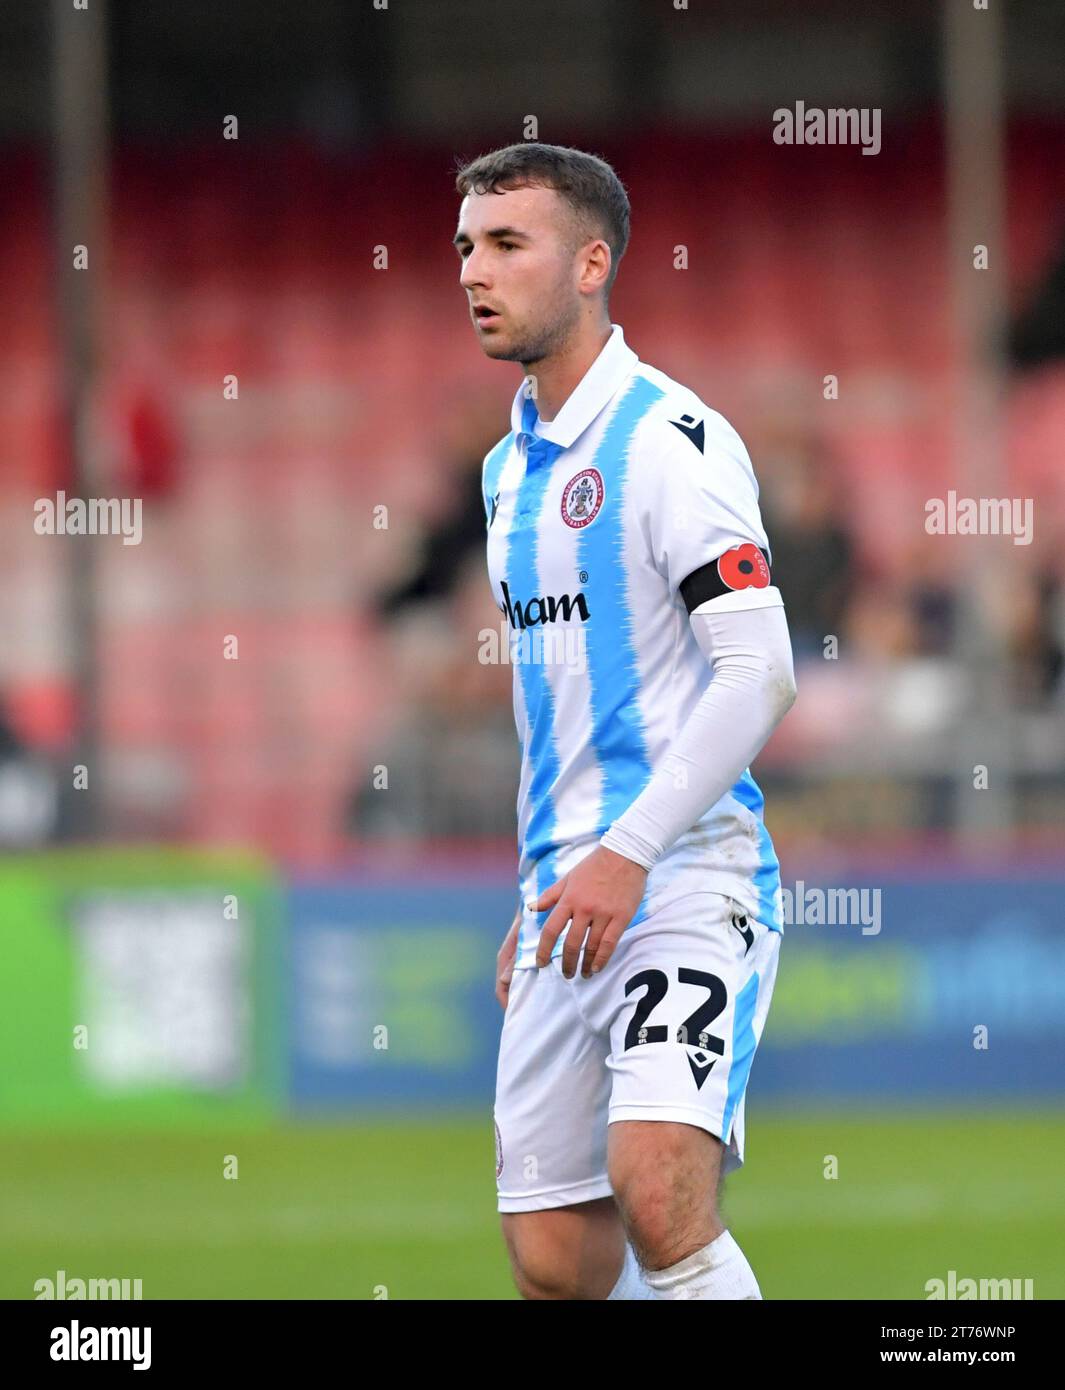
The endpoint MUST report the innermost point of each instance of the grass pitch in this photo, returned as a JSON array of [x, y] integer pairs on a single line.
[[344, 1211]]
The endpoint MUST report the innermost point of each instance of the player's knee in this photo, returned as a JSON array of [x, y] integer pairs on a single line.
[[540, 1271], [566, 1253], [535, 1281], [660, 1231]]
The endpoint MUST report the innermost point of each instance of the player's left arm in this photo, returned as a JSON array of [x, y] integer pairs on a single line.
[[737, 618], [751, 688]]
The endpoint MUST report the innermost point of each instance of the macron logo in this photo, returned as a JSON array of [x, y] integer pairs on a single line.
[[695, 432]]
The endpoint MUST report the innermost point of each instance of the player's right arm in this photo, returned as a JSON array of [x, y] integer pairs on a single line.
[[505, 960]]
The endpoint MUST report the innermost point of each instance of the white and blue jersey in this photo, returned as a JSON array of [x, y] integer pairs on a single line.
[[595, 520]]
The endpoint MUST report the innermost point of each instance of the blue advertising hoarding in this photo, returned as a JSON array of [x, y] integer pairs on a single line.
[[391, 991], [896, 988]]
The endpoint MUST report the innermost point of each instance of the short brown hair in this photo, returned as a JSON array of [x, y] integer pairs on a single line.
[[590, 186]]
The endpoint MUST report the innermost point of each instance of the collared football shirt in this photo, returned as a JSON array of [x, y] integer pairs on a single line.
[[595, 519]]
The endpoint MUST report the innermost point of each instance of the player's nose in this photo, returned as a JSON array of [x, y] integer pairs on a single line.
[[471, 275]]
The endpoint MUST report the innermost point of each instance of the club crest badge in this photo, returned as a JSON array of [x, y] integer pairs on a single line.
[[582, 497]]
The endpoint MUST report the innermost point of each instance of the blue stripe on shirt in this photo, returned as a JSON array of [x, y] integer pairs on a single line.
[[767, 876], [618, 735]]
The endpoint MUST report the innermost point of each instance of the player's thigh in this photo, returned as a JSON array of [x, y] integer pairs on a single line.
[[665, 1177], [660, 1155], [552, 1092], [684, 1001], [573, 1252]]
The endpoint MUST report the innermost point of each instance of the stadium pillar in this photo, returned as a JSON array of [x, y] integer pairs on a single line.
[[973, 100], [80, 170]]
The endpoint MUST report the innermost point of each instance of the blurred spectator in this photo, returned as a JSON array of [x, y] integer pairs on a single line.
[[813, 555], [29, 794], [451, 751], [931, 593], [1038, 334], [458, 529], [448, 741], [1036, 643], [445, 546]]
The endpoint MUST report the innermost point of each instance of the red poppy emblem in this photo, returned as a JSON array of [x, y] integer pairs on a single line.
[[743, 567]]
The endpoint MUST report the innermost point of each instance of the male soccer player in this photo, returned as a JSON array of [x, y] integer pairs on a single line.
[[652, 662]]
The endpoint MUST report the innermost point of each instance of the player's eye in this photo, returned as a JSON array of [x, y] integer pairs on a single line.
[[508, 246]]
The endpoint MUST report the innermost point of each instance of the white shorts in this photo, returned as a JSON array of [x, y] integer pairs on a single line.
[[667, 1031]]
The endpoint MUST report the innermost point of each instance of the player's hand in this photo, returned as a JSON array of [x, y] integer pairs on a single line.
[[505, 961], [600, 897]]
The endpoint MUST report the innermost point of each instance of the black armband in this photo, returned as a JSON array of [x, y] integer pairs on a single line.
[[745, 566]]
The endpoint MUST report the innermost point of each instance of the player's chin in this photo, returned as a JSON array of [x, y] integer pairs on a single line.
[[498, 345], [497, 349]]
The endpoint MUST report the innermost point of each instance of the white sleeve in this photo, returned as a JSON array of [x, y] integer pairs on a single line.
[[698, 496], [750, 691]]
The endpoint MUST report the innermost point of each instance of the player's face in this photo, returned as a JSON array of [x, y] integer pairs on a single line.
[[518, 261]]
